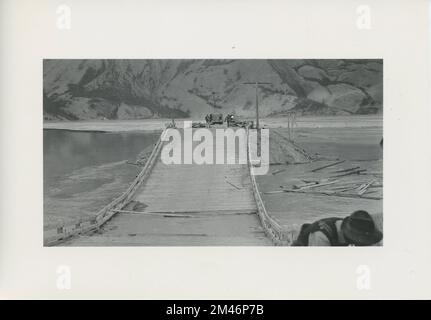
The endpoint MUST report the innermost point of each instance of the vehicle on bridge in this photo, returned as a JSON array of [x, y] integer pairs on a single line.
[[214, 118], [233, 121]]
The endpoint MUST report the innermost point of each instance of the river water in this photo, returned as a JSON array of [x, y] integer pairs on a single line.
[[83, 171]]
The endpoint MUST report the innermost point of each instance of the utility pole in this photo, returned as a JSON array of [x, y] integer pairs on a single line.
[[291, 124], [257, 84]]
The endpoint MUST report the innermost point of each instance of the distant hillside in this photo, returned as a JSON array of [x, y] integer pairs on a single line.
[[136, 89]]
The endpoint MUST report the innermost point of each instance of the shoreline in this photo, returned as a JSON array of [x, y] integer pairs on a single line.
[[104, 131], [157, 125], [87, 204]]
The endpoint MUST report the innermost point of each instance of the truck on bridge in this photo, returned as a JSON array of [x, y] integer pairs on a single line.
[[214, 118], [233, 121]]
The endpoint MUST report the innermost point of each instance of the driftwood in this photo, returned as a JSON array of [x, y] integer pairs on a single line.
[[299, 186], [349, 173], [328, 165], [274, 192], [363, 188], [315, 185], [335, 194], [353, 185], [346, 170], [342, 189], [233, 185], [310, 181]]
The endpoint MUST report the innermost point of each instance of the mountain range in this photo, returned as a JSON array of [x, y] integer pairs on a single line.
[[180, 88]]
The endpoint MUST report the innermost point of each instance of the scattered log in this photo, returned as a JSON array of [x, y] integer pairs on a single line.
[[352, 185], [363, 188], [238, 188], [299, 186], [328, 165], [343, 189], [346, 170], [315, 185], [335, 194], [349, 173], [309, 181], [274, 192]]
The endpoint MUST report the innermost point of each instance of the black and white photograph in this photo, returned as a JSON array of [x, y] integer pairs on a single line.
[[216, 158], [213, 152]]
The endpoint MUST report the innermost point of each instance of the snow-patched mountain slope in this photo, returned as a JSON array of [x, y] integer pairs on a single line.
[[132, 89]]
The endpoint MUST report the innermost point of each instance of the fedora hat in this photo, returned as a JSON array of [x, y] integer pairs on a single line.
[[359, 229]]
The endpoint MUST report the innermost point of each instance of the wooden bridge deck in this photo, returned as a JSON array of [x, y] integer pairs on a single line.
[[186, 205]]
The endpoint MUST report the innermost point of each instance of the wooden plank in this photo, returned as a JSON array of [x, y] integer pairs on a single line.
[[335, 194], [328, 165], [315, 185], [346, 170], [188, 214], [349, 173], [238, 188], [274, 192], [363, 188]]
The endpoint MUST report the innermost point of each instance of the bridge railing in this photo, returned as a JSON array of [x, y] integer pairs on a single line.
[[279, 235], [55, 234]]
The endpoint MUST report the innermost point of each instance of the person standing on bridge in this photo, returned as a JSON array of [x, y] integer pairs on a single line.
[[229, 119], [358, 229]]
